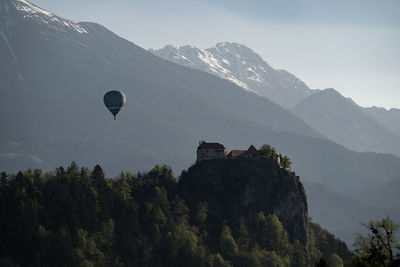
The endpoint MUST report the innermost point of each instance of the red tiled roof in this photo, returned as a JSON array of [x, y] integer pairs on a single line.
[[252, 150], [236, 153]]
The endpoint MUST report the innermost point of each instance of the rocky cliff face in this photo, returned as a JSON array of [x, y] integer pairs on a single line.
[[241, 188]]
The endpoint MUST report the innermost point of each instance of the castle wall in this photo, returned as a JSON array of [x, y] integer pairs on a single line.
[[206, 154]]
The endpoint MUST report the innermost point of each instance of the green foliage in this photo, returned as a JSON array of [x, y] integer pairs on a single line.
[[268, 151], [77, 217], [324, 245], [262, 257], [271, 234], [201, 215], [272, 259], [379, 247], [286, 162], [335, 261], [228, 247], [216, 260], [244, 238]]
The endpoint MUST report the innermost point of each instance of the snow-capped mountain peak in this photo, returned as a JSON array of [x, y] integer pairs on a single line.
[[27, 7], [30, 11], [242, 66], [242, 51], [197, 58]]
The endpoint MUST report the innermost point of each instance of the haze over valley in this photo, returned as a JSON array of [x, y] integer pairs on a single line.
[[54, 73]]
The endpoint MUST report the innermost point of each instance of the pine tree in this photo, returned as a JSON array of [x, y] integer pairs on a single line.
[[228, 247]]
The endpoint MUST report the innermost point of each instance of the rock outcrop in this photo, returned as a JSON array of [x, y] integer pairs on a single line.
[[241, 188]]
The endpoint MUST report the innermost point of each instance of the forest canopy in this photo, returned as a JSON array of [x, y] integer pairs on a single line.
[[76, 217]]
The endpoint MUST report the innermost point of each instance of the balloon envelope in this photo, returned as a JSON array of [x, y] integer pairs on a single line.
[[114, 101]]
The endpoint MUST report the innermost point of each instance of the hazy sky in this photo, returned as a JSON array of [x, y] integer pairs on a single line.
[[350, 45]]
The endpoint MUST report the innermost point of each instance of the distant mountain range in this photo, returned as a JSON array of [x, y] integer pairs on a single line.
[[343, 121], [337, 118], [348, 211], [242, 66], [389, 118], [53, 76], [62, 69]]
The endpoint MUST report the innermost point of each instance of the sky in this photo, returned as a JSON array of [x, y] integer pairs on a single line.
[[350, 45]]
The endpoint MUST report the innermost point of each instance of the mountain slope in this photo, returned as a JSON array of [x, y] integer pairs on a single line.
[[346, 123], [62, 72], [242, 66], [389, 118], [66, 71], [343, 214], [387, 195]]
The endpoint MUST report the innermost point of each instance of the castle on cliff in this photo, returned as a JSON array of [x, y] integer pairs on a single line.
[[206, 151]]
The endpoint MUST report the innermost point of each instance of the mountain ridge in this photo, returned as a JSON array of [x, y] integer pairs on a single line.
[[343, 121], [75, 70], [32, 11], [389, 118], [241, 65], [58, 107]]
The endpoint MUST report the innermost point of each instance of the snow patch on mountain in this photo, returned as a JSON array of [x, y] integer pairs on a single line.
[[201, 59], [242, 66], [29, 8], [31, 11]]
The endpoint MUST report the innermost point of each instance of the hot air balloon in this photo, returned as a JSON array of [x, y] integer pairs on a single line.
[[114, 101]]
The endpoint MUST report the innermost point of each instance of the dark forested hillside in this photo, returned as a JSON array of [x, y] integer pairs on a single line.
[[54, 74], [77, 217], [240, 188]]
